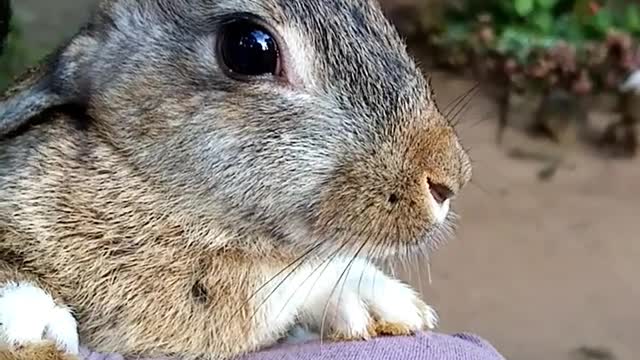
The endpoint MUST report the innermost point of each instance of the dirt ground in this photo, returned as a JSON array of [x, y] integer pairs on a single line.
[[538, 268]]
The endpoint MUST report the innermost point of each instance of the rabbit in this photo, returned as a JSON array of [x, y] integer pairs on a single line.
[[195, 178]]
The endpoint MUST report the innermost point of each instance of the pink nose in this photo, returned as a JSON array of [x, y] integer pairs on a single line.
[[439, 192]]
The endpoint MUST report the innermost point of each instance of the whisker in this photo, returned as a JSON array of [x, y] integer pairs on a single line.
[[485, 117], [335, 314], [460, 99], [376, 252], [325, 262], [453, 103], [299, 261], [492, 194], [455, 119], [373, 252], [355, 256], [365, 268], [416, 261], [347, 268]]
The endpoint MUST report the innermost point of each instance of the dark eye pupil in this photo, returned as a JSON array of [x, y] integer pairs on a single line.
[[248, 49]]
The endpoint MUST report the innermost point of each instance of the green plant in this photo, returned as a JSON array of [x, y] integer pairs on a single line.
[[15, 56], [576, 44]]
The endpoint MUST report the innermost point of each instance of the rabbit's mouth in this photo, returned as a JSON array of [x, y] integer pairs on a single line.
[[402, 230]]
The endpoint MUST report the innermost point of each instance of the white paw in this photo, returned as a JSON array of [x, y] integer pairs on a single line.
[[344, 315], [396, 303], [29, 315], [354, 304]]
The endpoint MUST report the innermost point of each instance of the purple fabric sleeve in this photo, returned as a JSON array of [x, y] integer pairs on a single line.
[[424, 346]]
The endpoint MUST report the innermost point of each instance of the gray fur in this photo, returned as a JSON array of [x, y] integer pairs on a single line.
[[159, 141]]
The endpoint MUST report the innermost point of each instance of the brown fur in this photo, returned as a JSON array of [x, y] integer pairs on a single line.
[[44, 351], [153, 195]]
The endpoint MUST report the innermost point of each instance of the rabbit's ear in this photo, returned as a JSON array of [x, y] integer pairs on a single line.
[[60, 80]]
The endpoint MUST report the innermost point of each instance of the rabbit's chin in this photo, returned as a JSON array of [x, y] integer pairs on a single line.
[[433, 239], [396, 249]]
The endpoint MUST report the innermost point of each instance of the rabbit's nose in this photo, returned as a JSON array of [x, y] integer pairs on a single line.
[[439, 199], [439, 192]]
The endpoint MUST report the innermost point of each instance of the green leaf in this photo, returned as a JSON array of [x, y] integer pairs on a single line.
[[524, 7], [543, 21], [547, 4], [567, 26], [581, 11], [458, 31], [504, 8], [632, 18], [602, 21], [16, 56], [516, 42]]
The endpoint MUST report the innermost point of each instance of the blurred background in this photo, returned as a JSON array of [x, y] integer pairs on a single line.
[[545, 264]]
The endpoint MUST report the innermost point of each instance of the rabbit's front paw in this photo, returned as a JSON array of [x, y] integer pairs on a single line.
[[366, 303], [28, 315], [402, 313]]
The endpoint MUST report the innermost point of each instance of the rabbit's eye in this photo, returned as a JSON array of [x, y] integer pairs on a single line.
[[248, 49]]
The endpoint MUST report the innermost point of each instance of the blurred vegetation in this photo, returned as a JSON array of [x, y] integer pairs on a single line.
[[580, 51], [521, 25], [581, 45], [15, 55]]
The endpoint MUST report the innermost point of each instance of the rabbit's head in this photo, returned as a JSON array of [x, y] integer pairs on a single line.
[[302, 120]]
